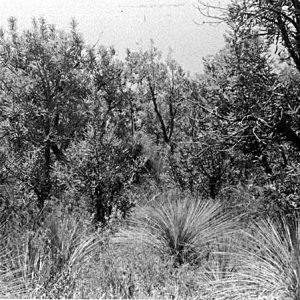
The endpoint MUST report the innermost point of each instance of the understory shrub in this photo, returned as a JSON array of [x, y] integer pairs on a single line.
[[179, 226]]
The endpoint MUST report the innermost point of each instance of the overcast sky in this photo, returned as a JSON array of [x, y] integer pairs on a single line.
[[128, 24]]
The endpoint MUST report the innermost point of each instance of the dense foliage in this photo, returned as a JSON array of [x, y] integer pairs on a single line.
[[104, 160]]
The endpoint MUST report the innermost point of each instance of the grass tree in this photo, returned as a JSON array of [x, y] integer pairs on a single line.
[[178, 226], [268, 256]]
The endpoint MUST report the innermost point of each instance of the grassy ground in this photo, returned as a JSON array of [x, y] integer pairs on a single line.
[[174, 247]]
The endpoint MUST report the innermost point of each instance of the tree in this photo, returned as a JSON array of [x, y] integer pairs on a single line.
[[42, 100], [161, 88], [101, 171], [255, 99], [278, 21], [104, 161]]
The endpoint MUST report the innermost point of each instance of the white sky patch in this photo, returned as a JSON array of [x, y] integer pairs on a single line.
[[128, 24]]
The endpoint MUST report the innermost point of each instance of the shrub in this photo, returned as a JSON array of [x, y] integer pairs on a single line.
[[178, 226]]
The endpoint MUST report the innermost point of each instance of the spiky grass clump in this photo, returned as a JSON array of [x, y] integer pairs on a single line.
[[48, 260], [57, 253], [268, 255], [10, 273], [178, 226]]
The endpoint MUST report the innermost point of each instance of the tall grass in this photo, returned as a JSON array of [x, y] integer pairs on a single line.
[[10, 273], [178, 226], [268, 256], [174, 246], [47, 262]]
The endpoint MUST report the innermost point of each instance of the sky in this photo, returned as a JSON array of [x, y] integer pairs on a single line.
[[172, 24]]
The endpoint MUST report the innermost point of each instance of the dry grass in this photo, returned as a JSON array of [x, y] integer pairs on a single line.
[[175, 247], [129, 272], [10, 274], [268, 264], [46, 263], [178, 226]]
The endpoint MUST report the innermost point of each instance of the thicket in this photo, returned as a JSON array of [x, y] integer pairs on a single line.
[[135, 179]]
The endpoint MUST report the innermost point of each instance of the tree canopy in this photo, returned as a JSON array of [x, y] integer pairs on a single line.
[[82, 128]]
